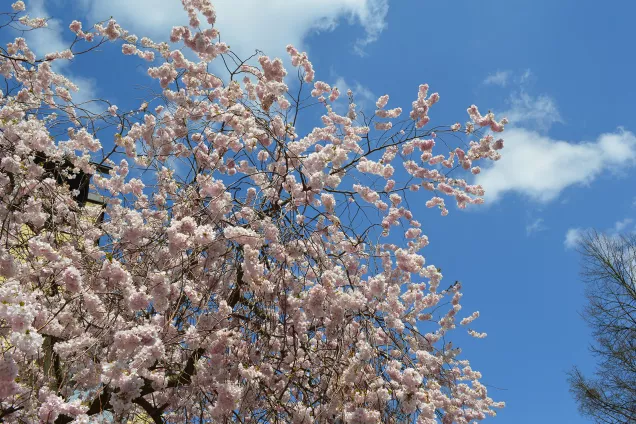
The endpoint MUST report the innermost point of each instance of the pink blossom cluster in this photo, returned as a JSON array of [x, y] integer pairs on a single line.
[[76, 27], [18, 6], [33, 23], [301, 60], [382, 113], [486, 121], [422, 105]]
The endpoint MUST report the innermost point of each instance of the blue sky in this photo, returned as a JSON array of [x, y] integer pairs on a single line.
[[562, 71]]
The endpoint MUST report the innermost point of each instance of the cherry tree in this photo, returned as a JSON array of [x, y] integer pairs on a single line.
[[239, 271]]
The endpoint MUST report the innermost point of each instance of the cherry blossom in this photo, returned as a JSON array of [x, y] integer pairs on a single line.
[[238, 266]]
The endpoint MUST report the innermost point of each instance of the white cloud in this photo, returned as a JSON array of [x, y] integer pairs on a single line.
[[540, 167], [525, 77], [505, 77], [535, 227], [249, 24], [525, 110], [620, 226], [536, 112], [572, 237], [498, 78]]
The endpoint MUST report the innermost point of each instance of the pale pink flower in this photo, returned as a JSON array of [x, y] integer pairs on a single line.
[[128, 49], [75, 26], [18, 6], [72, 279], [382, 101], [383, 126]]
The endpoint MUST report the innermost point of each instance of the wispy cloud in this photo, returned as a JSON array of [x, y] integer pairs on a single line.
[[523, 109], [621, 226], [535, 226], [363, 97], [373, 19], [573, 236], [499, 78], [534, 112], [525, 76]]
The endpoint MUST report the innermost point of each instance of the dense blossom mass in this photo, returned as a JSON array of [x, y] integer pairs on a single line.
[[241, 270]]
